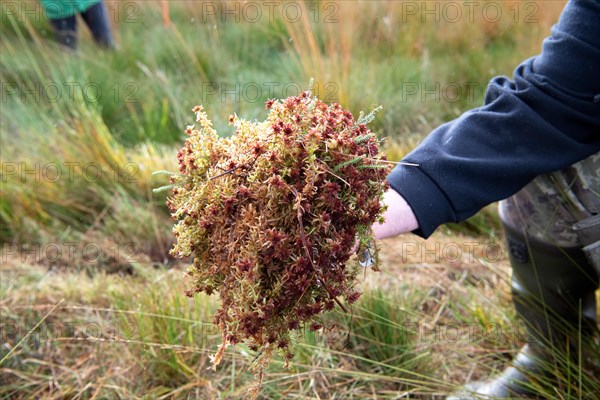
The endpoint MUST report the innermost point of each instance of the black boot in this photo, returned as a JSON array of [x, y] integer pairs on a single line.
[[554, 293]]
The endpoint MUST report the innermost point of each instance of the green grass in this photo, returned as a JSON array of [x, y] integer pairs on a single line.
[[137, 100]]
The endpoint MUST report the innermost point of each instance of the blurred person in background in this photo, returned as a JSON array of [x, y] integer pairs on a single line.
[[63, 18], [535, 143]]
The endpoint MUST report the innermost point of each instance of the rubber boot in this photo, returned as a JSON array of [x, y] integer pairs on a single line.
[[553, 291]]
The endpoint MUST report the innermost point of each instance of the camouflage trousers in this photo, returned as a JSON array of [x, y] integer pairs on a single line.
[[554, 207]]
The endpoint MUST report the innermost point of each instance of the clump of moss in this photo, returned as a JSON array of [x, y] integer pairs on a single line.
[[272, 214]]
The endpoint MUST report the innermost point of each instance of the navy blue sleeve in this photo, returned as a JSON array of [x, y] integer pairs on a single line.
[[545, 119]]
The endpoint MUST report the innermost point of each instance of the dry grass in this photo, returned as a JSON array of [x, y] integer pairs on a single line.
[[434, 318], [161, 345]]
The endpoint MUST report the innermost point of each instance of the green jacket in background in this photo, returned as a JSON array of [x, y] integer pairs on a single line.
[[55, 9]]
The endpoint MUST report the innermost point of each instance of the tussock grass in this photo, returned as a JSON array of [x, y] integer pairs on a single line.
[[119, 108]]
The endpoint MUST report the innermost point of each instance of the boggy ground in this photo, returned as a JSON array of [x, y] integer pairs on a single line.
[[437, 315]]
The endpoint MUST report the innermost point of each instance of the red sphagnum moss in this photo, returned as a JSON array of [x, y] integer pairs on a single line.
[[271, 216]]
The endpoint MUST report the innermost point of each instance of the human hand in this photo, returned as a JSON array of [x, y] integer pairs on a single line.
[[399, 217]]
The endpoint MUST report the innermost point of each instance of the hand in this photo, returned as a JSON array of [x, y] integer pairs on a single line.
[[399, 217]]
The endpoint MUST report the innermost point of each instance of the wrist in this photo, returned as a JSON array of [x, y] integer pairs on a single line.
[[399, 217]]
